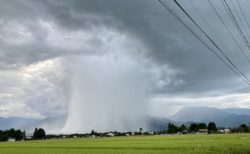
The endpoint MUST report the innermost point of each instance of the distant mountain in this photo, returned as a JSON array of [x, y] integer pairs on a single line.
[[51, 124], [29, 124], [18, 123], [223, 117], [198, 114], [158, 124], [233, 120], [238, 111]]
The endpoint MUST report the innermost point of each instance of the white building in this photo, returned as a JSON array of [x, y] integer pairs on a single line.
[[111, 134], [202, 131], [28, 137], [11, 139], [226, 130]]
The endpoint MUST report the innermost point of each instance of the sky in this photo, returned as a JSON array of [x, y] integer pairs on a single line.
[[106, 64]]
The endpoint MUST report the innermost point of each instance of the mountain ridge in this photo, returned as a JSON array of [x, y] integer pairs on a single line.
[[231, 117]]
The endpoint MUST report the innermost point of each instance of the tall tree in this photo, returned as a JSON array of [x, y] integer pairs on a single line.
[[172, 128], [183, 128], [39, 134], [212, 127], [243, 128], [194, 127], [202, 126]]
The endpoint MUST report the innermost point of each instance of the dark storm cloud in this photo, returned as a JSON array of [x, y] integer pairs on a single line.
[[169, 42]]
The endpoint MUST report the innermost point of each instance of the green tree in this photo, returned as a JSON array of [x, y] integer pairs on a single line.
[[243, 128], [39, 134], [140, 131], [183, 128], [212, 127], [172, 128], [4, 137], [202, 126], [16, 134], [194, 127], [93, 132]]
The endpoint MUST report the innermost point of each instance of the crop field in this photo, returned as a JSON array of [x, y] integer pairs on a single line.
[[231, 143]]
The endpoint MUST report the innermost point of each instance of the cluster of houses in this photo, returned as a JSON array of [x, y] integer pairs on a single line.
[[12, 139], [112, 134], [205, 131]]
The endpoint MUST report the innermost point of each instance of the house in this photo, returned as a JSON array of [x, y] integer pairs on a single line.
[[226, 130], [185, 132], [111, 134], [203, 131], [11, 139], [221, 130], [28, 137]]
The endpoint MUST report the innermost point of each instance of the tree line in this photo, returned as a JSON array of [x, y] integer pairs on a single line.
[[12, 133], [19, 135], [211, 128], [243, 128], [39, 133], [193, 128]]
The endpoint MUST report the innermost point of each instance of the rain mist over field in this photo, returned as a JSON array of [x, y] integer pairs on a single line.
[[107, 93]]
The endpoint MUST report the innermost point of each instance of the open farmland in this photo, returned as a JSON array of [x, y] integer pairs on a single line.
[[233, 143]]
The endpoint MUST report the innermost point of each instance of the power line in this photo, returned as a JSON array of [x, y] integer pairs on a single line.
[[235, 23], [234, 69], [210, 39], [227, 29], [207, 24], [198, 12], [243, 14], [240, 20]]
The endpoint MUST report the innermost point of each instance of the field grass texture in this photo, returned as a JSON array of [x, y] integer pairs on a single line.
[[176, 144]]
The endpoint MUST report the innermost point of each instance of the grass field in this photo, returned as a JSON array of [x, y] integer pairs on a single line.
[[233, 143]]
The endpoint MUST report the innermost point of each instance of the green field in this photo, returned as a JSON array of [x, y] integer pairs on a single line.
[[233, 143]]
